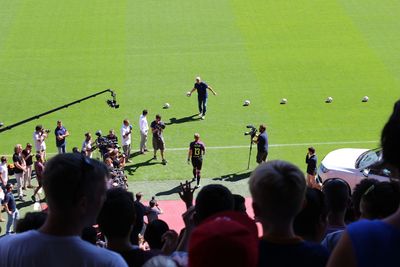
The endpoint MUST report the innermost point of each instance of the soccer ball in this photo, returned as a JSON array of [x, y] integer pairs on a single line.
[[188, 93], [246, 103], [166, 105], [283, 101], [329, 100], [365, 99]]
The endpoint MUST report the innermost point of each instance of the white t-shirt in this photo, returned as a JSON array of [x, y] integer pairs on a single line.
[[4, 172], [38, 139], [36, 249], [125, 140], [143, 124]]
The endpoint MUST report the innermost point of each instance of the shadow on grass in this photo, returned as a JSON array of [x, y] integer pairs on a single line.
[[133, 168], [172, 191], [183, 119], [233, 177]]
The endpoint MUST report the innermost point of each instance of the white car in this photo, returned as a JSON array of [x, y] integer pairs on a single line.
[[353, 165]]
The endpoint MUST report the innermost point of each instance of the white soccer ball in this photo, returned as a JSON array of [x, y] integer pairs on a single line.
[[329, 100], [188, 93], [283, 101], [246, 103], [166, 105], [365, 99]]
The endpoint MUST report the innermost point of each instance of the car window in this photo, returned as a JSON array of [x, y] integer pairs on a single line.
[[368, 158]]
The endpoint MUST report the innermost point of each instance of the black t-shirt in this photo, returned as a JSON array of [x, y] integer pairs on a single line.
[[28, 157], [262, 144], [201, 89], [311, 164], [17, 158], [160, 126]]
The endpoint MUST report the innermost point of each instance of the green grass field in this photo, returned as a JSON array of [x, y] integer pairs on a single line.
[[54, 52]]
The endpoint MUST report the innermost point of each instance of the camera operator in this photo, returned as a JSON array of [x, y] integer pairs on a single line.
[[39, 135], [112, 139], [87, 146], [126, 131], [262, 144], [157, 128]]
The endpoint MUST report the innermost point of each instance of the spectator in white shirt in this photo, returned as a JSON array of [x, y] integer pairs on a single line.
[[38, 138], [126, 131], [144, 129]]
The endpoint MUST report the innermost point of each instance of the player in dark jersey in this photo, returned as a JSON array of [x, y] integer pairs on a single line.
[[202, 95], [196, 151]]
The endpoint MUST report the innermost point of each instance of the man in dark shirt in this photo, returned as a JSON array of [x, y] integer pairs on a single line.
[[202, 96], [311, 161], [196, 151], [262, 144], [39, 168], [20, 168], [28, 157], [157, 128], [11, 209], [61, 133]]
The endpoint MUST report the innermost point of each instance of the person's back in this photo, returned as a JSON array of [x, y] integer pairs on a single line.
[[278, 190], [57, 242]]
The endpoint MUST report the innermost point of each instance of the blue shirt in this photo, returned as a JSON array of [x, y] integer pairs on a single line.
[[201, 89], [375, 243], [10, 201], [262, 143], [60, 131]]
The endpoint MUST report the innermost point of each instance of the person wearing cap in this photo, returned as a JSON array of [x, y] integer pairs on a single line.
[[202, 95], [11, 209], [61, 133], [196, 151], [28, 157]]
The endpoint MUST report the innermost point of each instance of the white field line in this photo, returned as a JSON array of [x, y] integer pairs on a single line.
[[271, 145]]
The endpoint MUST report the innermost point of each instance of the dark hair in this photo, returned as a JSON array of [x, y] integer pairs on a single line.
[[38, 127], [311, 149], [38, 156], [211, 199], [358, 192], [144, 112], [239, 203], [381, 200], [390, 141], [337, 194], [3, 159], [154, 232], [314, 212], [118, 214], [31, 221], [158, 116], [68, 177]]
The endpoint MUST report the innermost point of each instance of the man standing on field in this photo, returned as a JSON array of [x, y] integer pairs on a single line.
[[196, 151], [202, 96]]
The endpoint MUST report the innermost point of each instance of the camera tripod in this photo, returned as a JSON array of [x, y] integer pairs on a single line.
[[250, 148]]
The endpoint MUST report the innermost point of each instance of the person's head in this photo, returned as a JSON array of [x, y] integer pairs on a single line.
[[380, 200], [278, 190], [139, 196], [196, 137], [211, 199], [111, 132], [390, 141], [358, 192], [158, 117], [76, 150], [118, 214], [39, 128], [38, 157], [154, 232], [59, 124], [144, 112], [337, 195], [225, 239], [152, 202], [31, 221], [88, 136], [108, 161], [311, 150], [239, 203], [311, 223], [3, 159], [262, 128], [18, 148], [75, 187], [198, 79], [9, 187], [126, 122], [28, 146]]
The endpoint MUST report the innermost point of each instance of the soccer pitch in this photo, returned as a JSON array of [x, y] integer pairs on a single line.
[[54, 52]]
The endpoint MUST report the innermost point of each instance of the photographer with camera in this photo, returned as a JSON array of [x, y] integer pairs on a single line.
[[126, 131], [153, 210], [39, 135], [157, 128], [262, 144], [87, 145]]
